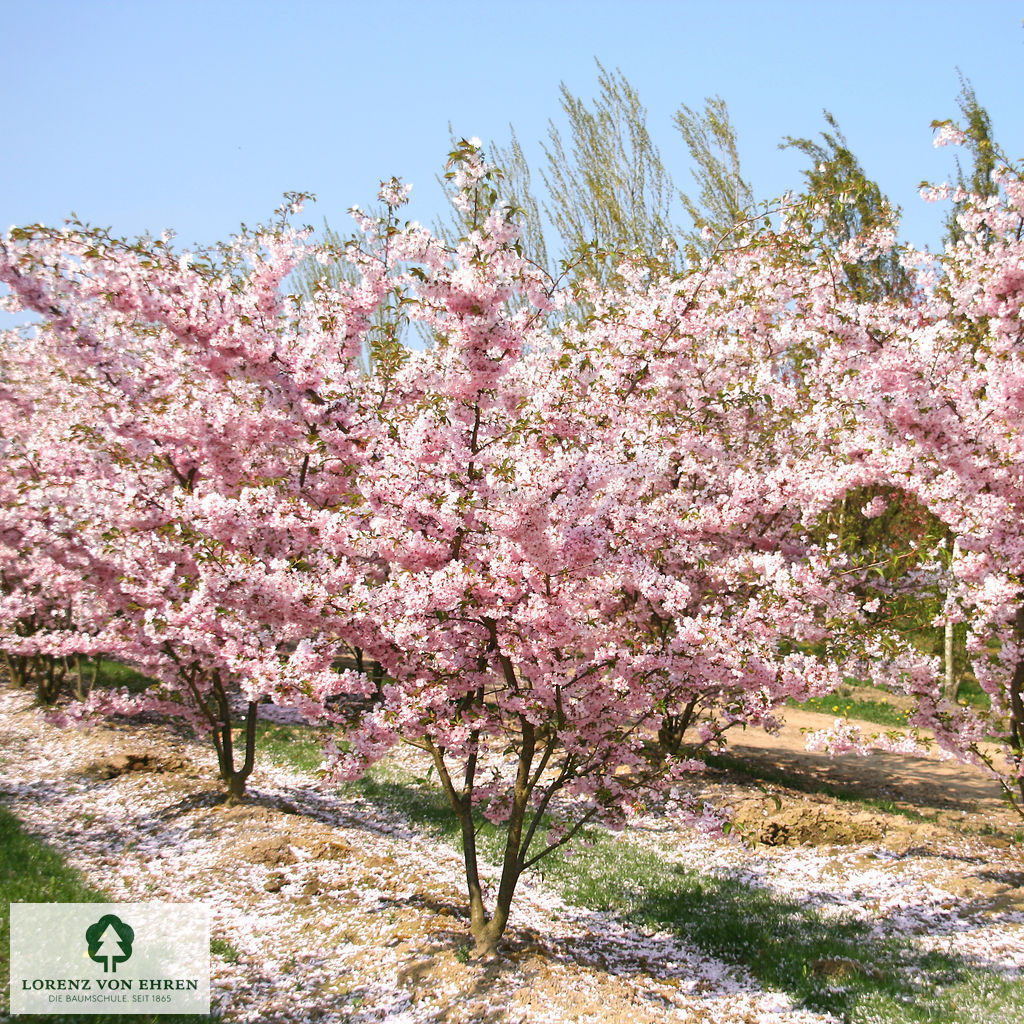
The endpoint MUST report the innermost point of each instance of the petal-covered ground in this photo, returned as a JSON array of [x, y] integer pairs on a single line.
[[334, 908]]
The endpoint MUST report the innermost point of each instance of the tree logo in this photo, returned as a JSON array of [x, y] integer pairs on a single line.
[[110, 942]]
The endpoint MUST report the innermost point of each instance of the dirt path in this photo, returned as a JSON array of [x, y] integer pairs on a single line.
[[928, 783]]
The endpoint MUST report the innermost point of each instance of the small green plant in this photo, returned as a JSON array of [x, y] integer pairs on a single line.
[[462, 954], [224, 949]]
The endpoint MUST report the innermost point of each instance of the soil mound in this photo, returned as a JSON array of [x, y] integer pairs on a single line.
[[772, 822], [115, 765]]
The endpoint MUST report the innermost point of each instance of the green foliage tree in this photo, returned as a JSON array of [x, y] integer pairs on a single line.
[[517, 191], [723, 198], [605, 189], [385, 345], [980, 141], [606, 185], [608, 189], [849, 203]]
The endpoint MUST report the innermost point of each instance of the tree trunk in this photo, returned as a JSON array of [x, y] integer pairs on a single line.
[[488, 936], [952, 685], [477, 914], [17, 668], [49, 678], [488, 930], [234, 779], [673, 728]]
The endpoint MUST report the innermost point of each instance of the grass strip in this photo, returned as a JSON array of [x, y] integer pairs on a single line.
[[825, 960], [875, 711], [290, 746]]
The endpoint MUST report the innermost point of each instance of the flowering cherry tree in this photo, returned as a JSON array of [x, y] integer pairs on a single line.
[[597, 534], [940, 408], [180, 436], [581, 548], [580, 530]]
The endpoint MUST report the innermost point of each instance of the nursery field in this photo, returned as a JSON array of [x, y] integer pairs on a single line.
[[887, 888], [604, 605]]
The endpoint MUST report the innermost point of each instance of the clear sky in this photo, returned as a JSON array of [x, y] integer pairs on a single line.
[[198, 114]]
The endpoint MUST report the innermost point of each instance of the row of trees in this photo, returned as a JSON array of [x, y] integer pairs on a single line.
[[584, 532], [606, 190]]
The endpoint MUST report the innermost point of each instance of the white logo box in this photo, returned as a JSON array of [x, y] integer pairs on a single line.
[[110, 958]]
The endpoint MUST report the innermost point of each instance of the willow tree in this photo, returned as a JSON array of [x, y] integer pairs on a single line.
[[723, 198], [607, 188], [847, 204], [979, 139]]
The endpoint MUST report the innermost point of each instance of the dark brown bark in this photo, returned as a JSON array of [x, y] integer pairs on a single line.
[[17, 668], [488, 936], [234, 779], [49, 677], [673, 728], [462, 805]]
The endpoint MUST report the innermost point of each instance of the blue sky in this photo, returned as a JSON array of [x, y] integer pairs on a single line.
[[146, 114]]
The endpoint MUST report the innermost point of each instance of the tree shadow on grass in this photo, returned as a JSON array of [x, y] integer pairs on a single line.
[[830, 962], [824, 963]]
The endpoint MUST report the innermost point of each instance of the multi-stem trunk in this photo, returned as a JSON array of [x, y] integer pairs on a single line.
[[234, 778], [487, 929], [673, 729], [489, 933], [17, 668], [49, 677], [217, 713]]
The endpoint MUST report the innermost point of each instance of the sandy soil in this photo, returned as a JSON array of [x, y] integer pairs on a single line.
[[946, 789]]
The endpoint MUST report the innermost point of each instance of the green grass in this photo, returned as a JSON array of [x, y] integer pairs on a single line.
[[290, 746], [968, 693], [786, 944], [114, 674], [33, 872], [224, 949], [971, 693], [875, 711]]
